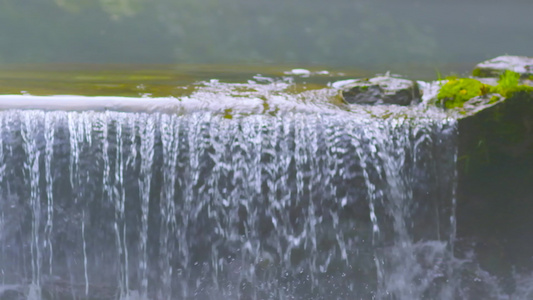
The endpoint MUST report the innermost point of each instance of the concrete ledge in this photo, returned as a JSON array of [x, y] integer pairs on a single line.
[[83, 103]]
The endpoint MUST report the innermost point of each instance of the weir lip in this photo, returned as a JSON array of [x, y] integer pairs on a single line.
[[314, 103], [83, 103]]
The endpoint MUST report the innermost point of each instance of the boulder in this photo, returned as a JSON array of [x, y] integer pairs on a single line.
[[503, 128], [496, 66], [495, 172], [385, 89]]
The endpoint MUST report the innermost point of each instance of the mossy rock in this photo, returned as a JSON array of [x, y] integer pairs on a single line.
[[495, 162], [495, 123]]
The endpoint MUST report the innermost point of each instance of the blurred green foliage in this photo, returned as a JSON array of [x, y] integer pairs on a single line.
[[336, 32]]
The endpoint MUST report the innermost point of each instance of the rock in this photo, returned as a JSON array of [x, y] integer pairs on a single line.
[[495, 175], [494, 128], [501, 128], [496, 66], [480, 103], [495, 170], [381, 90]]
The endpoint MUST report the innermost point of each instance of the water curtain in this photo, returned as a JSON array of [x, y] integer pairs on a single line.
[[114, 205]]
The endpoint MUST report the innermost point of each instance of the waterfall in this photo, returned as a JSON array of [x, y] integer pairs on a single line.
[[292, 205]]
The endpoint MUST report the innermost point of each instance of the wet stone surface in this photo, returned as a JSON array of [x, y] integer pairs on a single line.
[[496, 66], [382, 90]]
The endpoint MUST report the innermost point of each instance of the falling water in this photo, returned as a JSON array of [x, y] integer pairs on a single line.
[[29, 132], [293, 205]]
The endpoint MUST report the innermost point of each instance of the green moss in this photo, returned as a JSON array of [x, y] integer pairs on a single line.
[[508, 84], [459, 90], [494, 99], [228, 113]]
